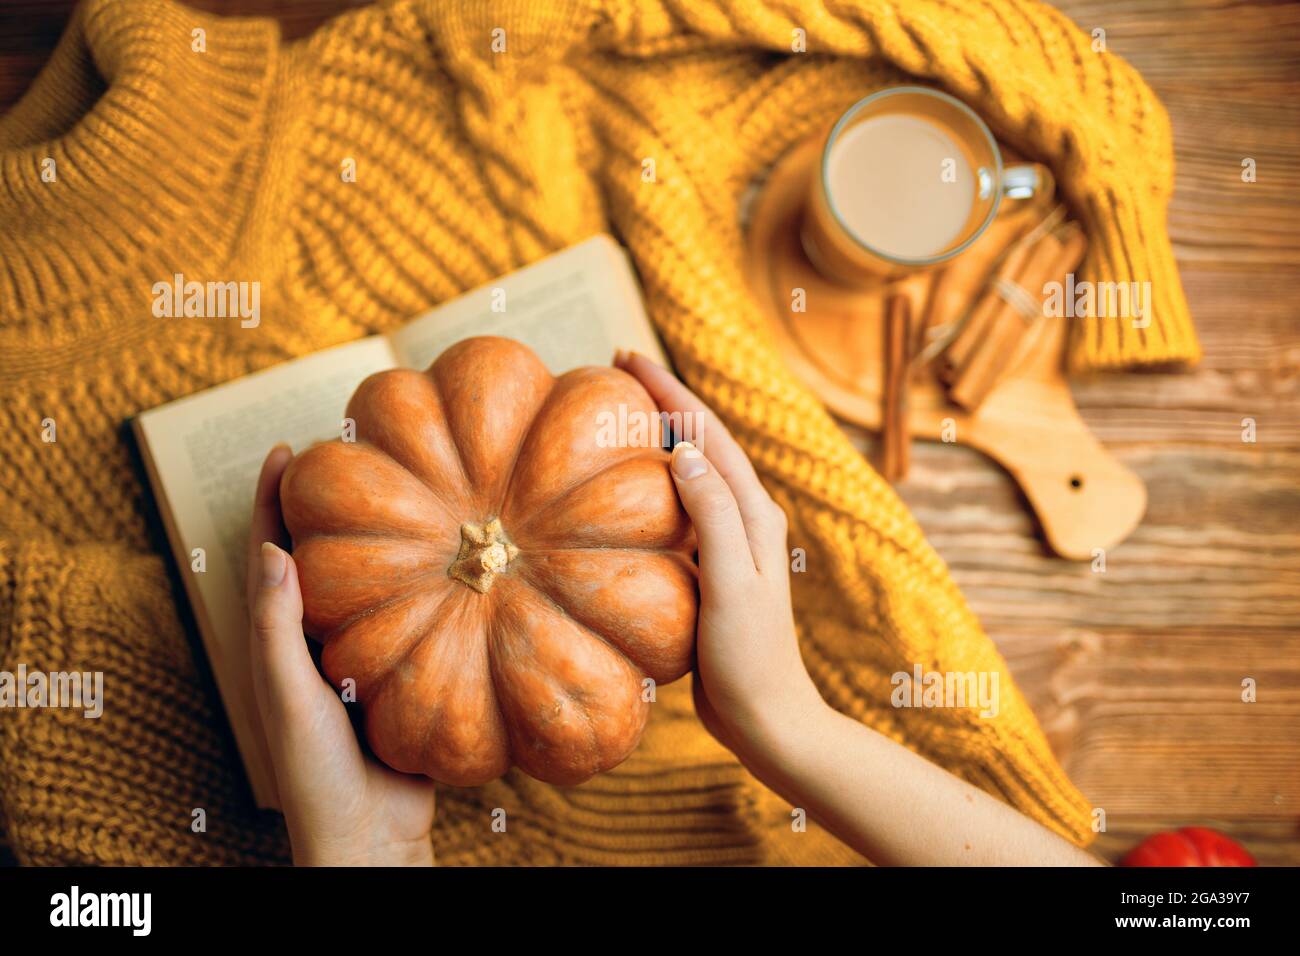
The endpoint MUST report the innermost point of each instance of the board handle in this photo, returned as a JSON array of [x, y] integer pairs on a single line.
[[1084, 497]]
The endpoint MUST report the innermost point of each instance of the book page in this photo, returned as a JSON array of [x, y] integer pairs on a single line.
[[572, 308], [204, 454]]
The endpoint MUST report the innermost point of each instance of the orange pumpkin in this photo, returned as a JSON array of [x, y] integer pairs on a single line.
[[497, 577]]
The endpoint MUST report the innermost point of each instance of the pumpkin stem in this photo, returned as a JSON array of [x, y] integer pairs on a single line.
[[484, 553]]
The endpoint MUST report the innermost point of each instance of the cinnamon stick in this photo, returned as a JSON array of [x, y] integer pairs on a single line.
[[1051, 258], [895, 437], [1004, 328], [955, 358]]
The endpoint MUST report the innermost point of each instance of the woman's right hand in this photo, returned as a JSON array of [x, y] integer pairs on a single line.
[[754, 694], [751, 682]]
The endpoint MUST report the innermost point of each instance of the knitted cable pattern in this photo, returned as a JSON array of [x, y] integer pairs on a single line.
[[225, 164]]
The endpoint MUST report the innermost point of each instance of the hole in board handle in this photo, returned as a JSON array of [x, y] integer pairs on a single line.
[[1076, 482]]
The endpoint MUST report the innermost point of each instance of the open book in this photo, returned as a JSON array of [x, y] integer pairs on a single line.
[[203, 453]]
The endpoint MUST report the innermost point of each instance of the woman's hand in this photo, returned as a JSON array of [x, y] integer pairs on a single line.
[[751, 682], [754, 694], [341, 806]]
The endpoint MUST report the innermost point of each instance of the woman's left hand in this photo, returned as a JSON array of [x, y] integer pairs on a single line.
[[341, 806]]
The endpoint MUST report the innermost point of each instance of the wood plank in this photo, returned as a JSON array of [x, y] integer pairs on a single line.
[[1128, 709], [1220, 543]]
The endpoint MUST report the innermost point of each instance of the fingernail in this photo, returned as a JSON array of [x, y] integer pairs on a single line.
[[620, 358], [688, 461], [273, 565], [635, 354]]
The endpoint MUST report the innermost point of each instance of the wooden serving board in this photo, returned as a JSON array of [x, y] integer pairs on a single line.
[[1083, 497]]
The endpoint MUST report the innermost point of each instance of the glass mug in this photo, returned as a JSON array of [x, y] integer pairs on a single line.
[[909, 178]]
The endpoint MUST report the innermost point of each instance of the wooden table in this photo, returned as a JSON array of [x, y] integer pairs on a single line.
[[1136, 673]]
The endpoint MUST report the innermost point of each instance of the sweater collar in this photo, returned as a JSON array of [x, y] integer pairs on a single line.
[[129, 136]]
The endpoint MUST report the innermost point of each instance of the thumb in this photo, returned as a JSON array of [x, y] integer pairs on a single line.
[[725, 558], [284, 676]]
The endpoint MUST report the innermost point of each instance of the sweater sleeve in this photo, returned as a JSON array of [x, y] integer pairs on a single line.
[[117, 777]]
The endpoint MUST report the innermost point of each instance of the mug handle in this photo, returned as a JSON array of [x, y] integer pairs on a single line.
[[1028, 181]]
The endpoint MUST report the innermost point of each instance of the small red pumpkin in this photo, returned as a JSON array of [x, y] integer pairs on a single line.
[[496, 576], [1190, 846]]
